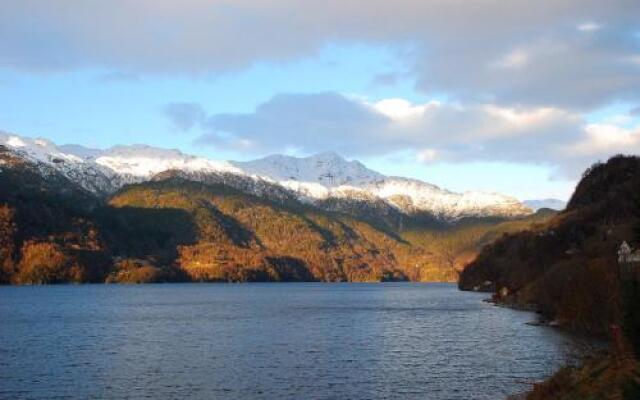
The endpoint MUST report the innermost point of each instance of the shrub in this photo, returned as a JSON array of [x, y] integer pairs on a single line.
[[42, 263], [136, 271], [7, 246]]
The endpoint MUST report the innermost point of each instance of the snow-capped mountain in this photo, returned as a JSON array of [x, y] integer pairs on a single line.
[[328, 169], [105, 171], [327, 175], [313, 179]]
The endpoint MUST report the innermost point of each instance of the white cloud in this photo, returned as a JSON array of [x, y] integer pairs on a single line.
[[524, 118], [431, 131], [456, 45], [400, 109], [607, 139], [589, 27], [517, 58], [427, 155]]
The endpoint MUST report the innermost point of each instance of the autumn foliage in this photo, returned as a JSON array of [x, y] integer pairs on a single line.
[[173, 229], [43, 262]]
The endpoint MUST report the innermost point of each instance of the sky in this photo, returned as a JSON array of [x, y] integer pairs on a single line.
[[517, 97]]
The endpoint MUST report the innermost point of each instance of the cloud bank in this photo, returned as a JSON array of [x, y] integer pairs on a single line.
[[432, 131], [575, 54]]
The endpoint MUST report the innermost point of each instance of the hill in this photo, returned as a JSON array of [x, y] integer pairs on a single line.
[[568, 270], [242, 237]]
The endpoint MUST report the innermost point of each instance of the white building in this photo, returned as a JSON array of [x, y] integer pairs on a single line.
[[626, 254]]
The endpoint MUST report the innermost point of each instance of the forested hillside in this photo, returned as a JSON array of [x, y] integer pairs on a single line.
[[241, 237], [567, 268], [172, 229]]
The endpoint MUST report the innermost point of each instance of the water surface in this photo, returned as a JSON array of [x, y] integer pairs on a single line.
[[266, 341]]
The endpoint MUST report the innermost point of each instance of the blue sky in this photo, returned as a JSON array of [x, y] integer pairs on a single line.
[[517, 99], [127, 108]]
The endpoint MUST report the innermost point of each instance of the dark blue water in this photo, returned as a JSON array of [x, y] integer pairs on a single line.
[[266, 341]]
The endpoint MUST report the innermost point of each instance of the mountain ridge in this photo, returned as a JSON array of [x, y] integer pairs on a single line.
[[314, 179]]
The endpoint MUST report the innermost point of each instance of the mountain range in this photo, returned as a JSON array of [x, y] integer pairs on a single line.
[[326, 180], [143, 214]]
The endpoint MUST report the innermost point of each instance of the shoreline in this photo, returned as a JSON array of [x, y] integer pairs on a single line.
[[598, 357], [221, 283]]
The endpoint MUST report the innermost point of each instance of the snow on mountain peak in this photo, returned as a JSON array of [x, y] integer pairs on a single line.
[[415, 195], [37, 149], [326, 175], [317, 177], [327, 169], [15, 141], [104, 171], [146, 161], [80, 151]]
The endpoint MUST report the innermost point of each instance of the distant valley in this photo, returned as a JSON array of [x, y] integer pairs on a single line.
[[553, 204]]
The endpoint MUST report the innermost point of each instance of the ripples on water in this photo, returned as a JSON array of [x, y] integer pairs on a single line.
[[266, 341]]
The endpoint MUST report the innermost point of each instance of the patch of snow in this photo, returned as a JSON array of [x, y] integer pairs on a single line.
[[15, 141], [80, 151], [146, 161], [327, 169]]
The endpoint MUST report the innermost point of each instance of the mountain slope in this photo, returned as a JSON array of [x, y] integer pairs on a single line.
[[53, 230], [241, 237], [322, 179], [43, 215], [567, 268], [174, 229], [188, 224]]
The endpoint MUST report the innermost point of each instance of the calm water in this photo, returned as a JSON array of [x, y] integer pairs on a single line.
[[266, 341]]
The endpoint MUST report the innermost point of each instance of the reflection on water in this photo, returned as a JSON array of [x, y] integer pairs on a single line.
[[266, 341]]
